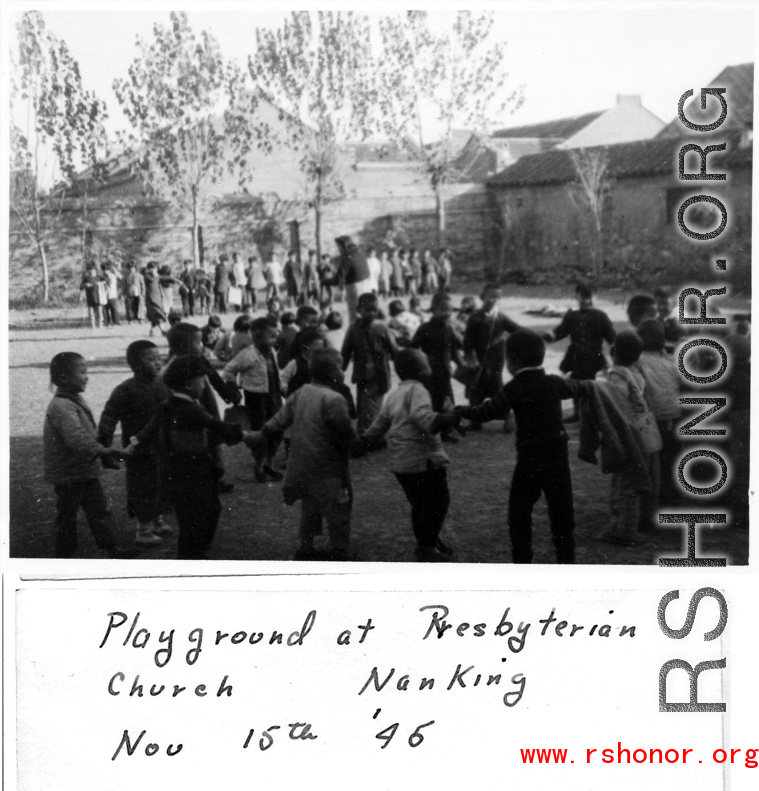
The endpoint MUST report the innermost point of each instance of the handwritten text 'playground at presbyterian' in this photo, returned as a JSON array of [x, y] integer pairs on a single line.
[[135, 631]]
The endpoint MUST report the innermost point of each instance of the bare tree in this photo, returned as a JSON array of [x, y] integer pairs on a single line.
[[433, 81], [590, 194], [64, 130], [186, 104], [317, 69]]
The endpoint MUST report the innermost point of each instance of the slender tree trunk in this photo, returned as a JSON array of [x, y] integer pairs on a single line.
[[45, 272], [318, 218], [84, 230], [195, 239], [41, 250], [440, 214]]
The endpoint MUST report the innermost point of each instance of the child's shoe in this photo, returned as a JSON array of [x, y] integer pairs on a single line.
[[271, 472], [161, 528], [146, 537], [433, 554]]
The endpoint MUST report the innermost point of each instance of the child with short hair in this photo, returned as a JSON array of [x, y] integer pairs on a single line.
[[625, 493], [71, 459], [673, 332], [371, 346], [662, 382], [587, 328], [438, 340], [542, 444], [466, 308], [285, 338], [402, 323], [318, 472], [484, 347], [187, 339], [204, 286], [417, 458], [187, 434], [640, 307], [230, 343], [255, 370], [211, 333], [133, 404]]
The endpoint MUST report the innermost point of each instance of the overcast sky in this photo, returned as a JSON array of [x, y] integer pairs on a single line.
[[570, 58]]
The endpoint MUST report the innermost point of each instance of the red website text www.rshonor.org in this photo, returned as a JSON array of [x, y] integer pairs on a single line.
[[621, 755]]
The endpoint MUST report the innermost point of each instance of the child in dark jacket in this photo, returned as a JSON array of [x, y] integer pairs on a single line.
[[439, 341], [371, 346], [542, 454], [72, 460], [133, 404], [587, 328], [186, 338], [185, 431]]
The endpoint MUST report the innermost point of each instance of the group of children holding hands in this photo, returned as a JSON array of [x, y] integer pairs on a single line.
[[293, 388]]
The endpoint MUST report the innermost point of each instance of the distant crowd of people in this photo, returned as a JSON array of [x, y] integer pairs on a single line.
[[149, 293], [285, 369]]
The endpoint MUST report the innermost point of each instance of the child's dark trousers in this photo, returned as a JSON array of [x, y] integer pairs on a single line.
[[551, 477], [195, 492], [428, 494], [89, 496]]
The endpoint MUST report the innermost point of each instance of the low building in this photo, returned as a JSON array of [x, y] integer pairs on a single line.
[[549, 233]]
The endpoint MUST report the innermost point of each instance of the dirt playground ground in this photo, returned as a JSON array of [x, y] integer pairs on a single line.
[[257, 525]]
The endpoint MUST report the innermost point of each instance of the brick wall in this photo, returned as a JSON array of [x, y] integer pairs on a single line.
[[546, 238], [126, 223]]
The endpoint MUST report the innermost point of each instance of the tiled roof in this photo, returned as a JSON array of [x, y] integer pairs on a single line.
[[739, 81], [378, 152], [626, 160], [562, 129]]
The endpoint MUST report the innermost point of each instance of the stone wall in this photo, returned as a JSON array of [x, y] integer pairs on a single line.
[[546, 237], [380, 205]]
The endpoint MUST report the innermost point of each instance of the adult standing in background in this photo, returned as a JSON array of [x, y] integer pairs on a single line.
[[383, 282], [375, 269], [293, 277], [134, 294], [445, 269], [254, 280], [354, 273], [188, 283], [166, 283], [311, 277], [274, 277], [221, 283], [429, 267], [237, 273], [153, 301], [91, 286], [396, 273], [111, 307]]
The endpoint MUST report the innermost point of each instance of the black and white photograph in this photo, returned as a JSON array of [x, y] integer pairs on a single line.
[[341, 285], [335, 338]]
